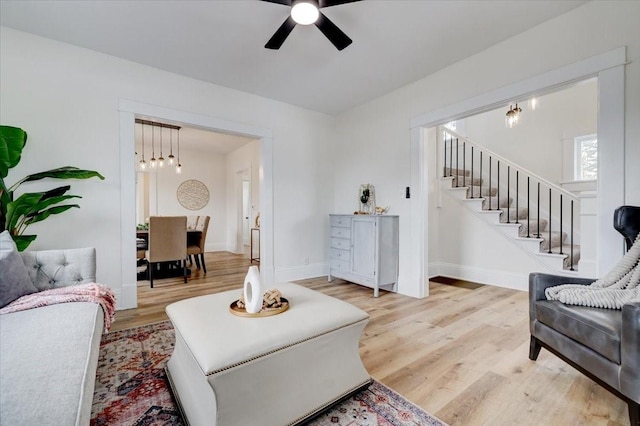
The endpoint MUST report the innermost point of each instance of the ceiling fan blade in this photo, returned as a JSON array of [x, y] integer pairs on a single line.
[[329, 3], [335, 35], [281, 34], [285, 2]]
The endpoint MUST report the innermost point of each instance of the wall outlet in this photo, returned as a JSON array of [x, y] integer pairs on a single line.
[[306, 260]]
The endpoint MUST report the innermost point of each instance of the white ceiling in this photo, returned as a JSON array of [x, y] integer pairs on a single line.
[[395, 42]]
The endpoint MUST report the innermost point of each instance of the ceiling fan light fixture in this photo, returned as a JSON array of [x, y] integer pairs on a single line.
[[305, 13]]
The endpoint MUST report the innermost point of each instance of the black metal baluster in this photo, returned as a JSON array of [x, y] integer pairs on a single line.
[[490, 158], [537, 234], [571, 260], [549, 220], [528, 208], [517, 196], [472, 172], [508, 194], [498, 193], [561, 239], [444, 165], [464, 163], [457, 169], [450, 156], [480, 190]]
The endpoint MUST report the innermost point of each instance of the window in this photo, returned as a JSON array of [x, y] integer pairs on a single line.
[[586, 157]]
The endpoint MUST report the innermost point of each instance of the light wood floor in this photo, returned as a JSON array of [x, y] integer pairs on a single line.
[[461, 354]]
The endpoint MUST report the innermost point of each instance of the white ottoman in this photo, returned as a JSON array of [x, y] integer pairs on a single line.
[[277, 370]]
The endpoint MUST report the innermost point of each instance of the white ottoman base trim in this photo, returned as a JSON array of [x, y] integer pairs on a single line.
[[281, 388]]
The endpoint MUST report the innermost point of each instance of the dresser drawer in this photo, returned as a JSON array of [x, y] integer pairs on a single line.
[[338, 265], [340, 221], [340, 243], [340, 232], [338, 254]]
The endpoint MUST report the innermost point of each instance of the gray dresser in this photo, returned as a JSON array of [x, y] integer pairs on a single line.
[[363, 249]]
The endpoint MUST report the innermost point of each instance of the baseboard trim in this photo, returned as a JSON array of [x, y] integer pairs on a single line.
[[215, 247], [304, 272], [479, 275]]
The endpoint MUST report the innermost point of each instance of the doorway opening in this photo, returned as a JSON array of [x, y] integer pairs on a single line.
[[260, 143], [203, 191], [609, 69]]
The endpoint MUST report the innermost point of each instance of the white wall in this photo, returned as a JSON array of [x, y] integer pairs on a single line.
[[542, 141], [374, 139], [243, 162], [67, 99], [208, 168]]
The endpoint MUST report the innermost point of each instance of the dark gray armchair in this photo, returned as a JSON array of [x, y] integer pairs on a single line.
[[603, 344]]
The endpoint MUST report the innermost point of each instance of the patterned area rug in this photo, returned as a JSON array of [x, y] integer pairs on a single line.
[[132, 389]]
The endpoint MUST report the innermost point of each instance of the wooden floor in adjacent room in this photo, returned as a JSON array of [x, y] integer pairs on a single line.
[[461, 353]]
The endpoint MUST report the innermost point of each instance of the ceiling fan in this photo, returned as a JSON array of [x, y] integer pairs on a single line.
[[306, 12]]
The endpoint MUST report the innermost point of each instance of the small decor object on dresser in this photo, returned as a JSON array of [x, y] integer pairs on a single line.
[[367, 199], [193, 194]]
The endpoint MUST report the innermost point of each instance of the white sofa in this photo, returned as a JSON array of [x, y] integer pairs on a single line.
[[49, 355]]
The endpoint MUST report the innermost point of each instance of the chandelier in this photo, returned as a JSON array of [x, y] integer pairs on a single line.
[[158, 129]]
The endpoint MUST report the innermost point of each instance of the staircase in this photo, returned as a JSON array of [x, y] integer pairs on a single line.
[[536, 214]]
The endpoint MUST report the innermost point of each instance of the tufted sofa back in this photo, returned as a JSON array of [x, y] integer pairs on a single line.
[[60, 268]]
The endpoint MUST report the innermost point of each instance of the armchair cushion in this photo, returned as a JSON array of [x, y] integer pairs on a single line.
[[598, 329]]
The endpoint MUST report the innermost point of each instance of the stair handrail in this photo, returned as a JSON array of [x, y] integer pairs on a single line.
[[516, 166]]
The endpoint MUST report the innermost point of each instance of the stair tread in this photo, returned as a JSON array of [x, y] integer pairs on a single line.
[[518, 218], [448, 171]]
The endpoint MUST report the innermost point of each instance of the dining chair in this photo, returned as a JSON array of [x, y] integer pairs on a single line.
[[192, 222], [197, 249], [167, 242]]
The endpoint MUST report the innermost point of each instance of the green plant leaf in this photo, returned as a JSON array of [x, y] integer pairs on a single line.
[[43, 214], [36, 206], [12, 141], [55, 192], [19, 207], [23, 241], [64, 173], [5, 198], [44, 204]]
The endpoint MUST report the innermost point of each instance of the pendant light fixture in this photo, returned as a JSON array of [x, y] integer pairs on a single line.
[[153, 162], [161, 158], [513, 116], [143, 164], [179, 166], [171, 157]]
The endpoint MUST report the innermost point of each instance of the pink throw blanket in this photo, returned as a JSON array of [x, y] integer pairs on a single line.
[[91, 292]]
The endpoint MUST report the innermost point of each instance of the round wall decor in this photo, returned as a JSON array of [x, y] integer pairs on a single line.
[[193, 194]]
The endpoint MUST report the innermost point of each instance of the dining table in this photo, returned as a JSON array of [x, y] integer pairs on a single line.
[[193, 235]]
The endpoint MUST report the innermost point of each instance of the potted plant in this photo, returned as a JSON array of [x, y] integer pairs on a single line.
[[18, 212]]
